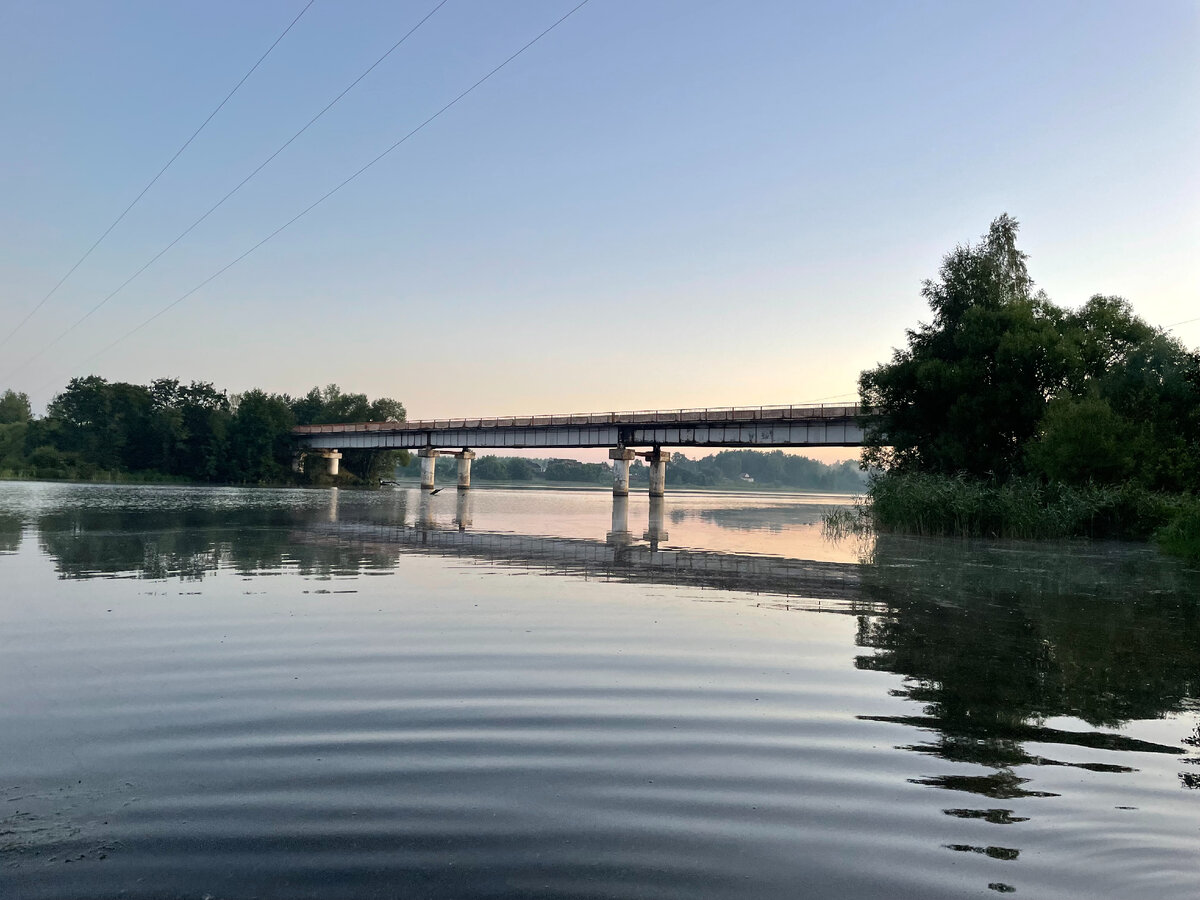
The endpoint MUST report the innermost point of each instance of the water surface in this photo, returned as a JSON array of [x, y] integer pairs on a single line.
[[274, 693]]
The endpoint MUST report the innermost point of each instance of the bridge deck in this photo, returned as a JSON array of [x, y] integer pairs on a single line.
[[811, 425]]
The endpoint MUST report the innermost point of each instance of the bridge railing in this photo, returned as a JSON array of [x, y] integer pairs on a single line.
[[633, 417]]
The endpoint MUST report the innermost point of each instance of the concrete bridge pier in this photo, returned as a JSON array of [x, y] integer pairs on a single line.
[[621, 458], [658, 471], [428, 464], [464, 468], [332, 457]]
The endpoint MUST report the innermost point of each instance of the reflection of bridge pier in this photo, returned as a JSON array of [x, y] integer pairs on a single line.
[[425, 511], [462, 510], [620, 535], [656, 529]]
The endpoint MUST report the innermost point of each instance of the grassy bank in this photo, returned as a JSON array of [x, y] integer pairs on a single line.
[[1028, 509]]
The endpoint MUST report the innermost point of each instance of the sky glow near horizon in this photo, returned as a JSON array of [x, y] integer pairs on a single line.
[[659, 205]]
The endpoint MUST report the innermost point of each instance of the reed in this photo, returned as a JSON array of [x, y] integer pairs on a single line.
[[1181, 536], [958, 506]]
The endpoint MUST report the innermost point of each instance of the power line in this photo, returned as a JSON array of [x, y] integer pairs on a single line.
[[179, 237], [1184, 322], [336, 188], [152, 181]]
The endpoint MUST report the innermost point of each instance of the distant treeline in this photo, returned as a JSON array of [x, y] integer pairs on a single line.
[[728, 468], [101, 430]]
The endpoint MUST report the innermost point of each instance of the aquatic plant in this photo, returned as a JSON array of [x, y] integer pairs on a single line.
[[959, 506]]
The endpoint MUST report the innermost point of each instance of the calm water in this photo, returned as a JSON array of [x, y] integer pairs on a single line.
[[269, 693]]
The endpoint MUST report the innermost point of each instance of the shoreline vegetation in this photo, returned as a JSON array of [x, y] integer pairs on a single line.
[[1007, 416], [170, 433], [959, 507]]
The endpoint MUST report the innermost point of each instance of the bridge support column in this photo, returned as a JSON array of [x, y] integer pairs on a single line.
[[658, 471], [464, 468], [332, 457], [621, 457], [428, 464]]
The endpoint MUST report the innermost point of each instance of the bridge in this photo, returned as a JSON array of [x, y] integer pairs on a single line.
[[623, 433]]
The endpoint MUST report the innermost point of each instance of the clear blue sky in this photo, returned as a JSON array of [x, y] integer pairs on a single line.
[[661, 204]]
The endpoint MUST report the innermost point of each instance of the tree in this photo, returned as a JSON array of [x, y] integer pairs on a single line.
[[970, 388], [520, 469], [1004, 383], [206, 416], [260, 440], [14, 408]]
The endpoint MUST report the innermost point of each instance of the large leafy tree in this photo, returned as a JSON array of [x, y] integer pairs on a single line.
[[14, 408], [104, 424], [1131, 408], [1002, 382], [260, 444], [970, 387]]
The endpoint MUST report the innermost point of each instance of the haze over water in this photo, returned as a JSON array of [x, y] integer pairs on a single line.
[[303, 693]]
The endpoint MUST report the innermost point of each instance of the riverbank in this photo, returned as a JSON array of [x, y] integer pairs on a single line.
[[957, 506]]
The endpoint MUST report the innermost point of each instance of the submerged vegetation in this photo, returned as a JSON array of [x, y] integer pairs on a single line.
[[97, 430], [1009, 416]]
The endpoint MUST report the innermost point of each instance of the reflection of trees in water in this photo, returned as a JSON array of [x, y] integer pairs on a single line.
[[999, 637], [993, 642], [1192, 779], [10, 533], [189, 543], [754, 518]]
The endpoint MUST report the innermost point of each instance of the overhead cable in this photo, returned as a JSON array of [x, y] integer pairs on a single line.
[[335, 189], [179, 237], [152, 181]]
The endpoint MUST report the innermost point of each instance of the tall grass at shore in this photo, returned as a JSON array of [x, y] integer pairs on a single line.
[[957, 506], [1181, 536]]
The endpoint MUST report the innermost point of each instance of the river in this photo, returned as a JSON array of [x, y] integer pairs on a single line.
[[235, 693]]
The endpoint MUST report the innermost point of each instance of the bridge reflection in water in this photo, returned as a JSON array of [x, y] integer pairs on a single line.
[[626, 553]]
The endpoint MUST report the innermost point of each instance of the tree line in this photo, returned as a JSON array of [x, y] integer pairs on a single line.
[[100, 430], [774, 469]]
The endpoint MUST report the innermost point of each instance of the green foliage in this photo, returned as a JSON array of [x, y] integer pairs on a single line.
[[972, 384], [504, 468], [774, 469], [14, 408], [98, 430], [328, 405], [1083, 440], [1009, 416], [1004, 384], [260, 442], [573, 470], [1181, 536], [959, 506]]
